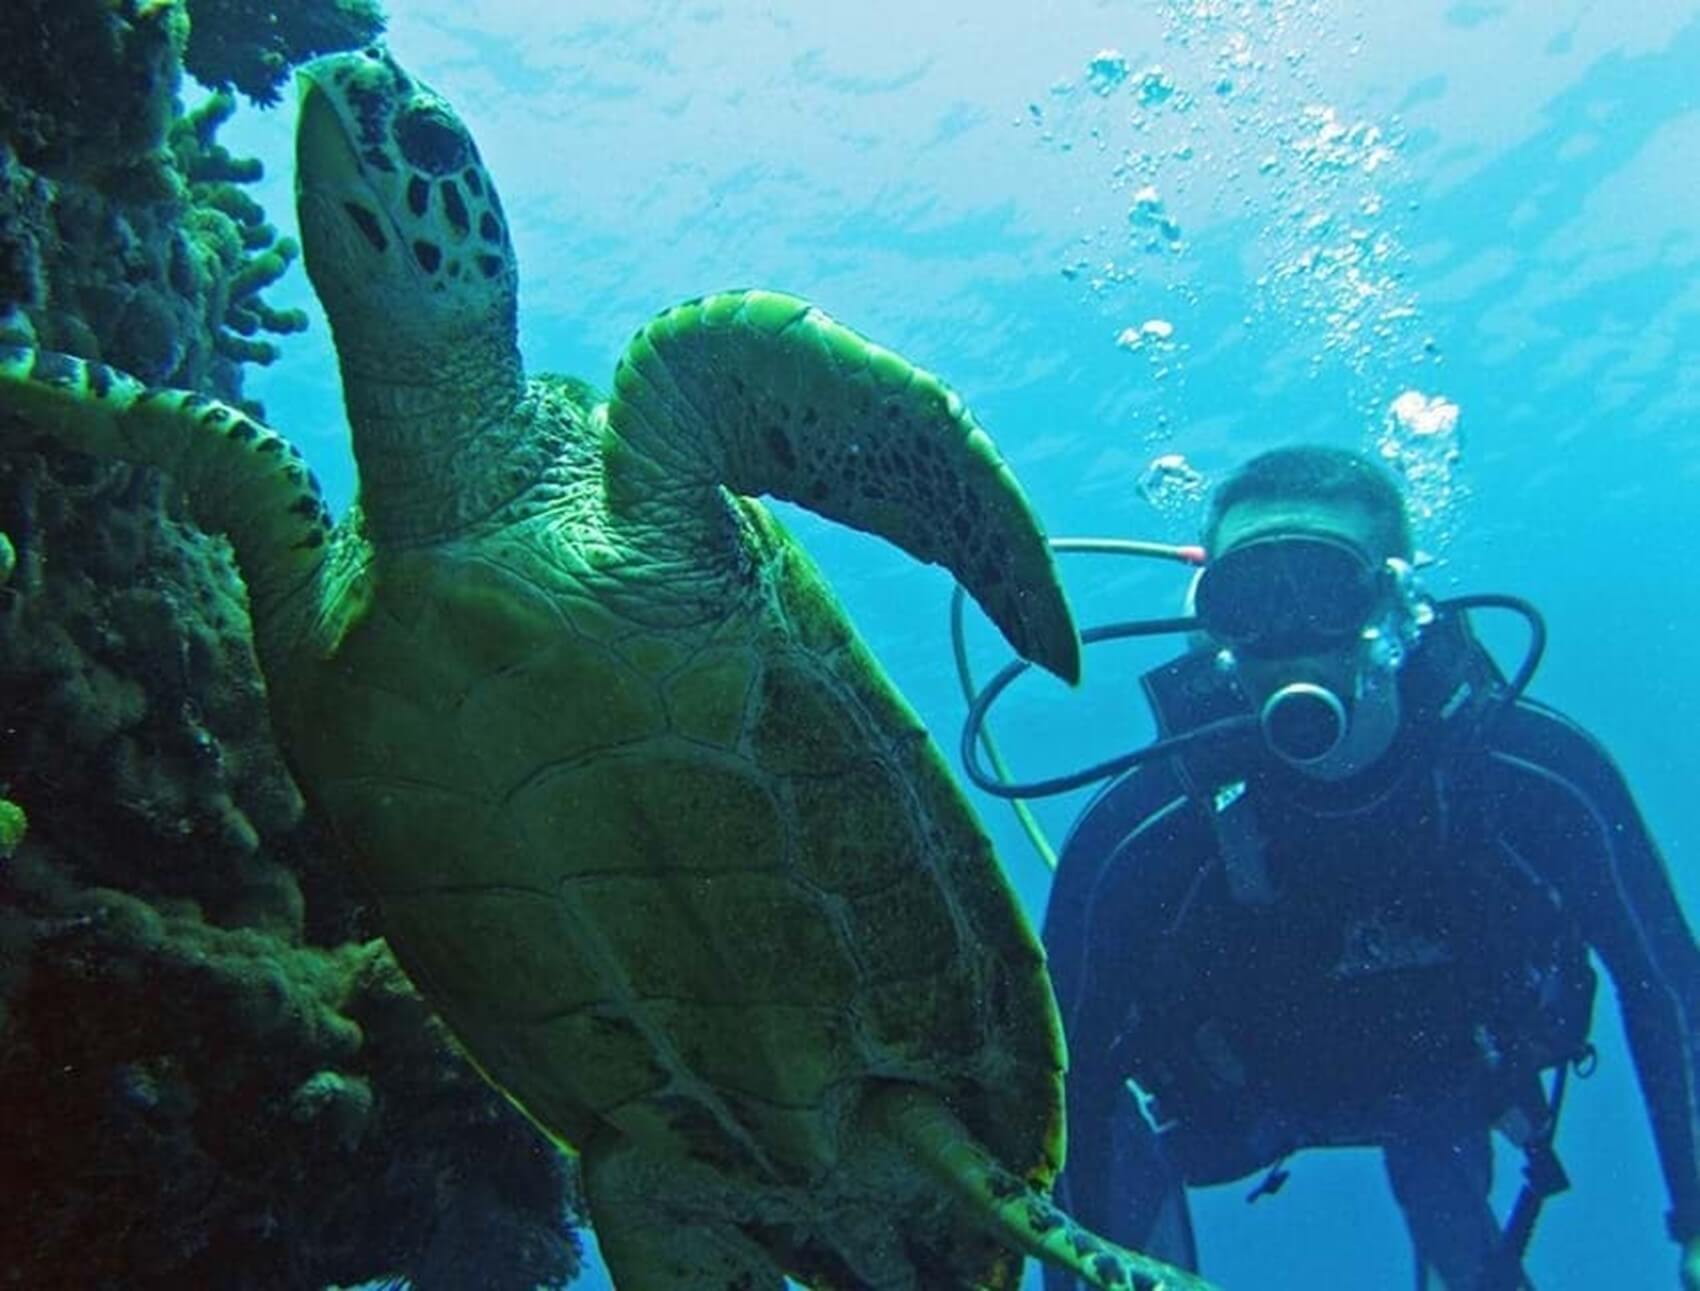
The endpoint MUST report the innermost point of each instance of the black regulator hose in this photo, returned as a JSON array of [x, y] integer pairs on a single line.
[[976, 736], [1537, 646], [997, 780]]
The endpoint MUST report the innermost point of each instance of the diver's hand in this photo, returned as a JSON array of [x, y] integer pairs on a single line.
[[1690, 1267]]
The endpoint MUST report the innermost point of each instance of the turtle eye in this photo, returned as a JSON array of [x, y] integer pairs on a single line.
[[431, 140]]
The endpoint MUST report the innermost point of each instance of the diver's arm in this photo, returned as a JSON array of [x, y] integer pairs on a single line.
[[1093, 874], [1099, 910], [1114, 1174], [1622, 896]]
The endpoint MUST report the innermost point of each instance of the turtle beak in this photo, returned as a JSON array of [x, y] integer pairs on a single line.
[[346, 227], [325, 159]]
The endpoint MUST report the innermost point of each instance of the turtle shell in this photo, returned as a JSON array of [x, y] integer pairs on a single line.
[[673, 859]]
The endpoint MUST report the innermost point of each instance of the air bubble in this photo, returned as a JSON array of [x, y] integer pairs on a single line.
[[1153, 331], [1420, 440], [1172, 484], [1106, 72], [1155, 87], [1149, 214]]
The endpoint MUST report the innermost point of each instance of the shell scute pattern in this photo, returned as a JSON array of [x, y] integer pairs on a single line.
[[906, 931], [662, 655], [573, 1070], [801, 727], [498, 947], [671, 843], [512, 719], [844, 847], [819, 914], [708, 699]]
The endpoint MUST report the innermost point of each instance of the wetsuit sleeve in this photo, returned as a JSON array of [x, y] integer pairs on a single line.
[[1613, 877], [1095, 923]]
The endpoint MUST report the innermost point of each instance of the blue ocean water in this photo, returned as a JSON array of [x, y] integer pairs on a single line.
[[1146, 241]]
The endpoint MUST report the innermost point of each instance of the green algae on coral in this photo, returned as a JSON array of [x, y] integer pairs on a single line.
[[263, 1114], [124, 230], [13, 825]]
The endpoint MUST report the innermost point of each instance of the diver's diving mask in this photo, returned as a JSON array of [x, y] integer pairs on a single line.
[[1271, 600], [1296, 596], [1287, 594]]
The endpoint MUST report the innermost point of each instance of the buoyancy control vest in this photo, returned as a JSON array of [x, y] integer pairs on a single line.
[[1354, 953]]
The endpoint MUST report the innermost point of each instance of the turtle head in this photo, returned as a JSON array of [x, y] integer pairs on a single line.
[[404, 235]]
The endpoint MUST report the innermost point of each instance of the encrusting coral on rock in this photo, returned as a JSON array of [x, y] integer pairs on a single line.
[[213, 1072], [87, 88], [252, 44], [129, 238]]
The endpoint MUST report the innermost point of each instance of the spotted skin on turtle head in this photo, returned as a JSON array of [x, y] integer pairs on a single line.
[[391, 187]]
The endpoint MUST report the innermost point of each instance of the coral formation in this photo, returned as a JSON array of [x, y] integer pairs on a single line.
[[124, 231], [214, 1074], [196, 1105], [87, 86], [188, 993], [252, 44], [239, 250]]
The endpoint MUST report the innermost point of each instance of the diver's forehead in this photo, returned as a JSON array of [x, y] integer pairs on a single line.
[[1267, 517]]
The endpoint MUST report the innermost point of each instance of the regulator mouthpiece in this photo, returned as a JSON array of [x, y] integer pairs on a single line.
[[1303, 723]]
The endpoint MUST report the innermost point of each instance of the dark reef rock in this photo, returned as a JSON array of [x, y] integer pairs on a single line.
[[87, 87], [194, 1105], [124, 231], [252, 44], [212, 1070]]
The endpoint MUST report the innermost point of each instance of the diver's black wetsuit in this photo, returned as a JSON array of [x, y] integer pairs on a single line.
[[1284, 964]]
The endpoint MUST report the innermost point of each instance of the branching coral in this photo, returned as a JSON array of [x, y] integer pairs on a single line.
[[238, 249], [163, 279]]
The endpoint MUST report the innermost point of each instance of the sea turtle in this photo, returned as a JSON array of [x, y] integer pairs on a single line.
[[645, 821]]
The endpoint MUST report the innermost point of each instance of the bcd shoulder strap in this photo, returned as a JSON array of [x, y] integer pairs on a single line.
[[1187, 693]]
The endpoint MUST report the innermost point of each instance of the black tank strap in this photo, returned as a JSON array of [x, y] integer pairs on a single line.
[[1543, 1177]]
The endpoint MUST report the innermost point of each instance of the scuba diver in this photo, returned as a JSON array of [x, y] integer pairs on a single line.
[[1348, 897]]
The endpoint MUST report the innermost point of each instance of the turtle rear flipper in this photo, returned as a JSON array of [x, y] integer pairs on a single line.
[[1005, 1205], [763, 394], [648, 1249], [241, 478]]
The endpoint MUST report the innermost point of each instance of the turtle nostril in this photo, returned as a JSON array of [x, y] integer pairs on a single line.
[[431, 140]]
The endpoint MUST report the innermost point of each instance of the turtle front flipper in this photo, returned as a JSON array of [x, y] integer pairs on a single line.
[[1006, 1206], [241, 478], [764, 394]]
